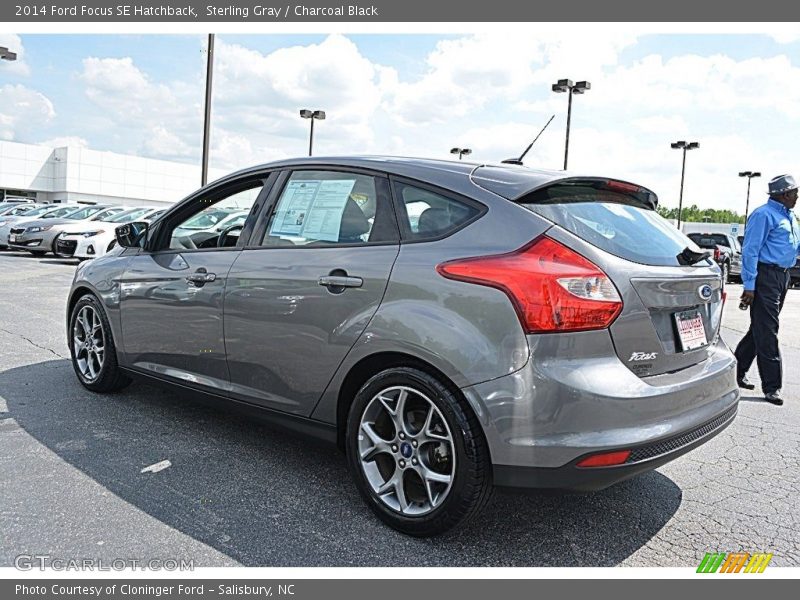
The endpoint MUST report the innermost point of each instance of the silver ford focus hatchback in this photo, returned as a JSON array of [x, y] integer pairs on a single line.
[[451, 326]]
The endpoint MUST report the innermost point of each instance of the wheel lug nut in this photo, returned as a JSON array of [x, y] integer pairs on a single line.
[[402, 436], [413, 461], [414, 443], [402, 463], [394, 448]]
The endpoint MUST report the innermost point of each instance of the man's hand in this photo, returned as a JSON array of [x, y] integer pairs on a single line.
[[747, 297]]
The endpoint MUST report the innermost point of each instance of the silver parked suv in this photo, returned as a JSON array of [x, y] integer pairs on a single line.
[[451, 326]]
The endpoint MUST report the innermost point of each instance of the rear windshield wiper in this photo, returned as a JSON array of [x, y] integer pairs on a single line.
[[689, 257]]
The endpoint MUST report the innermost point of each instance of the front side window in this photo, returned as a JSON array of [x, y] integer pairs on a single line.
[[218, 223], [329, 207]]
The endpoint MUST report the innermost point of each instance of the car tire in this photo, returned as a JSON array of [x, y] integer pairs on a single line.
[[726, 273], [91, 346], [437, 483]]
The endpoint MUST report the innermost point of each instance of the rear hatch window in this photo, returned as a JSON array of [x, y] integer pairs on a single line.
[[614, 216]]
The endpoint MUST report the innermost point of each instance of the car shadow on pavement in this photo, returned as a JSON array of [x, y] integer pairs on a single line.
[[265, 497]]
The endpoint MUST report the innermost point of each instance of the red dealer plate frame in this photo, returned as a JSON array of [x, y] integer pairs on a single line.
[[690, 328]]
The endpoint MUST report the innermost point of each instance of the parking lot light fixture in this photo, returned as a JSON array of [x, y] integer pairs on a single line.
[[461, 151], [567, 85], [6, 54], [685, 146], [318, 115], [749, 175]]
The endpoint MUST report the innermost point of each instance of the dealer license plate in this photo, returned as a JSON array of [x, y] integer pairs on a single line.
[[691, 332]]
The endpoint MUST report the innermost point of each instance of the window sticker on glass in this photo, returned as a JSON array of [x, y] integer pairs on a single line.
[[312, 209]]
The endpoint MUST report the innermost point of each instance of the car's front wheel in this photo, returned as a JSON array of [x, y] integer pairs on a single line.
[[91, 345], [417, 452]]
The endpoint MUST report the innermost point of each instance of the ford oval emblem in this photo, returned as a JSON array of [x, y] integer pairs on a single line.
[[705, 292]]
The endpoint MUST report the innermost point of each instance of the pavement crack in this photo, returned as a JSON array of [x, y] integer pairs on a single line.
[[32, 343]]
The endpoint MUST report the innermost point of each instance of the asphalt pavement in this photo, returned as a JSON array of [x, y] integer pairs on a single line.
[[239, 492]]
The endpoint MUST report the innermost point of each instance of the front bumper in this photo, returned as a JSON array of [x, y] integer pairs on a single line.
[[575, 398], [41, 241]]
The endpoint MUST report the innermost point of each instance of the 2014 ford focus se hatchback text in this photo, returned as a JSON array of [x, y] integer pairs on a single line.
[[451, 326]]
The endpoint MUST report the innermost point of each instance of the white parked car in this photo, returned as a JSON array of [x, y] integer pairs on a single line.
[[90, 240]]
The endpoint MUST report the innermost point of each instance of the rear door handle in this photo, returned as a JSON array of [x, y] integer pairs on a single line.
[[340, 281]]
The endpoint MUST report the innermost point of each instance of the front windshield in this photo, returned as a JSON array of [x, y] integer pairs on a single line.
[[64, 211], [128, 216], [83, 213]]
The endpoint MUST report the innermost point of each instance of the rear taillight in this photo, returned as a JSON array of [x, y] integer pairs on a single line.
[[552, 287], [716, 254]]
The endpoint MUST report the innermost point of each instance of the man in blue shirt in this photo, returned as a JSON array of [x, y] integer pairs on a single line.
[[771, 245]]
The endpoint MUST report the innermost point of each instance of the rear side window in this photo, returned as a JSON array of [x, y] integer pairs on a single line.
[[429, 215], [614, 220]]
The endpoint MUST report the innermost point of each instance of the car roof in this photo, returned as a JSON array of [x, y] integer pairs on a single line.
[[506, 180]]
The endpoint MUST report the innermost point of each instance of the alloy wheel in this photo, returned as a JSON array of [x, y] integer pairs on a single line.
[[88, 343], [406, 451]]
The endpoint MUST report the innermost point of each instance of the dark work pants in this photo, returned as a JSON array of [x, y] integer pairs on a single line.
[[761, 340]]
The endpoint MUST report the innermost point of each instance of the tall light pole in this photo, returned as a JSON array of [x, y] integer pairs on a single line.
[[566, 85], [207, 117], [312, 114], [749, 175], [460, 151], [685, 146], [6, 54]]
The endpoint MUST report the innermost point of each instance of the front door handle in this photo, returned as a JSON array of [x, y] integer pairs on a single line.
[[201, 277], [340, 281]]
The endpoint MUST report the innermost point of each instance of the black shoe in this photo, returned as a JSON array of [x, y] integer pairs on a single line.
[[744, 383], [774, 398]]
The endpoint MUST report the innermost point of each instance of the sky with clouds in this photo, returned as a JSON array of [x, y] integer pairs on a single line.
[[420, 95]]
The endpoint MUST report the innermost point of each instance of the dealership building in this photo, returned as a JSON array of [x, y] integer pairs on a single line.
[[77, 174]]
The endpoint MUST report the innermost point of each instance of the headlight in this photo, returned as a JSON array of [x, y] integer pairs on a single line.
[[88, 234], [38, 229]]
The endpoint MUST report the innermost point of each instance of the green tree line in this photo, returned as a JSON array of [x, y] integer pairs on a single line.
[[692, 214]]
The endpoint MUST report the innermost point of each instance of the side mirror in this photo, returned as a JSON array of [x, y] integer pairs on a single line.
[[131, 235]]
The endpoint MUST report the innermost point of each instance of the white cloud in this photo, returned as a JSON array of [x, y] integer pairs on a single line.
[[786, 34], [22, 110], [694, 84], [673, 126], [16, 67], [70, 140], [467, 73]]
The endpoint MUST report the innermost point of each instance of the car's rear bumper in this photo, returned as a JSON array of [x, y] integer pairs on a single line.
[[576, 399], [587, 479]]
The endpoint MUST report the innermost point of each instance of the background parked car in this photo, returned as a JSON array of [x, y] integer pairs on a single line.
[[727, 252], [15, 209], [38, 237], [51, 211], [97, 237], [795, 273]]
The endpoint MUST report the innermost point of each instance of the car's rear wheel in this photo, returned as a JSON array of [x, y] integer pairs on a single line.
[[726, 273], [417, 452], [91, 345]]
